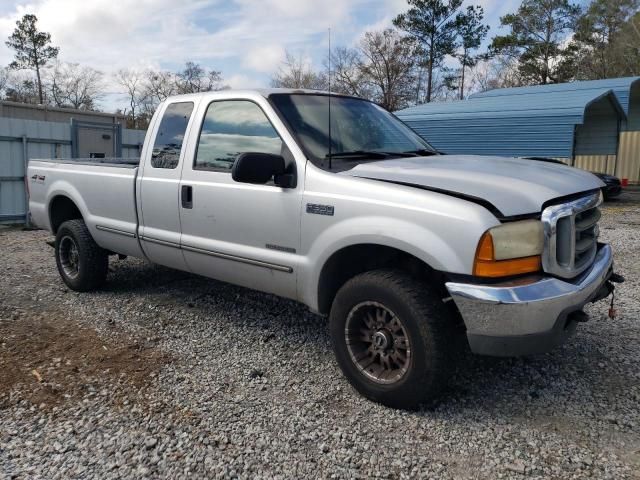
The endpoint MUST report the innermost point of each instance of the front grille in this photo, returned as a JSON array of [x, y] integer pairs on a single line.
[[571, 236]]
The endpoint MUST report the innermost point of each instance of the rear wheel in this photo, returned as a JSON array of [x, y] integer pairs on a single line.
[[82, 264], [394, 339]]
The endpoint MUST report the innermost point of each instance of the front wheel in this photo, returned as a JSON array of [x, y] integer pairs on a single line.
[[394, 339], [82, 264]]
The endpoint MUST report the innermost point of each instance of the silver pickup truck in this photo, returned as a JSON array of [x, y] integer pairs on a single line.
[[332, 201]]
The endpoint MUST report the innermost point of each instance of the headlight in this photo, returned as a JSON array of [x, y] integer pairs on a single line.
[[510, 249]]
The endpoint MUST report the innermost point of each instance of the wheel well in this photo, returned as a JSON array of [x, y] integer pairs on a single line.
[[62, 209], [355, 259]]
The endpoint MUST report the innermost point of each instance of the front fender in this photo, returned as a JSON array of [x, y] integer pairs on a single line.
[[409, 237]]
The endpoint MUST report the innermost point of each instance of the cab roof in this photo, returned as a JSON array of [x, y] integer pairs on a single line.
[[264, 92]]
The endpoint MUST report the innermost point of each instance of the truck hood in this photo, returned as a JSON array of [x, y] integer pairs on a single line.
[[508, 186]]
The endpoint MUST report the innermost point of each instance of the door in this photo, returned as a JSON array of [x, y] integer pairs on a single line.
[[241, 233], [95, 139], [159, 186]]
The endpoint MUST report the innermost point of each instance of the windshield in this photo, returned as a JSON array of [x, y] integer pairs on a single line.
[[360, 130]]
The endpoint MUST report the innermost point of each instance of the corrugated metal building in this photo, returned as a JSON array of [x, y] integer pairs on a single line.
[[627, 89], [555, 124], [24, 135], [27, 111], [625, 163], [592, 124], [94, 134]]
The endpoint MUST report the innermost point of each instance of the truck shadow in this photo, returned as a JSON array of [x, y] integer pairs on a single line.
[[202, 297], [584, 375]]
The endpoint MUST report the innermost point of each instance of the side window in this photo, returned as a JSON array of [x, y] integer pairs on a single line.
[[168, 144], [230, 128]]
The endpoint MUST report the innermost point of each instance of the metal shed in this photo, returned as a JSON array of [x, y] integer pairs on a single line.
[[22, 139], [556, 124], [627, 89], [46, 113], [625, 163]]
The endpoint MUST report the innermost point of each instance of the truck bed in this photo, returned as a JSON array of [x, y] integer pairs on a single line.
[[102, 189], [121, 162]]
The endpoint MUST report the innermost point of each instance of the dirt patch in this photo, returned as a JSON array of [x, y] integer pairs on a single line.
[[49, 358]]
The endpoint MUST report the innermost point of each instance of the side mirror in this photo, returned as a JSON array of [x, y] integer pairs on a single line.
[[260, 168]]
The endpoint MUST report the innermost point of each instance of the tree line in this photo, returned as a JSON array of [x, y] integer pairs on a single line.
[[37, 76], [145, 89], [431, 52]]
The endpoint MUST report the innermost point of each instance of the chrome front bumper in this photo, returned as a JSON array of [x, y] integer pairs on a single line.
[[527, 316]]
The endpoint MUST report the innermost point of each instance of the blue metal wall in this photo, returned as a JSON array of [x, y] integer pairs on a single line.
[[598, 134], [37, 139], [527, 124], [25, 139]]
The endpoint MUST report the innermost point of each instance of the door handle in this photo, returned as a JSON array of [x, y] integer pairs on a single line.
[[187, 196]]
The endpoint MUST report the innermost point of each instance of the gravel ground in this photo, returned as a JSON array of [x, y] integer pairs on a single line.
[[165, 374]]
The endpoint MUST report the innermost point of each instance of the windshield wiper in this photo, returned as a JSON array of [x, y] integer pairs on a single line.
[[378, 155], [420, 152], [358, 154]]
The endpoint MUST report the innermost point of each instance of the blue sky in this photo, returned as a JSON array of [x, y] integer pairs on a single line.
[[245, 39]]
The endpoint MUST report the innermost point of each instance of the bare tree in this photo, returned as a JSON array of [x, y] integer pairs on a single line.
[[297, 72], [194, 78], [497, 72], [157, 87], [347, 75], [133, 83], [4, 81], [160, 85], [389, 65], [75, 86], [20, 87]]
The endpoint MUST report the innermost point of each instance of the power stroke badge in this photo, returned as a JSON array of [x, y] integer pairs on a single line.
[[318, 209]]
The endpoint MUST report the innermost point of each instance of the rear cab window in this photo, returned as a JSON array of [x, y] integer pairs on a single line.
[[171, 134]]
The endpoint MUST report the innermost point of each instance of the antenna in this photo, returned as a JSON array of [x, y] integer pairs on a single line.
[[329, 62]]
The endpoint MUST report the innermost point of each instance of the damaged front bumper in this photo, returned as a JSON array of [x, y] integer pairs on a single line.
[[530, 315]]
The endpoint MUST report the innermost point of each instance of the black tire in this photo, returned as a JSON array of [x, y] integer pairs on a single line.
[[82, 264], [431, 329]]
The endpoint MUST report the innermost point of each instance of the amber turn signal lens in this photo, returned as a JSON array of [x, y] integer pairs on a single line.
[[485, 264], [505, 268], [485, 248]]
